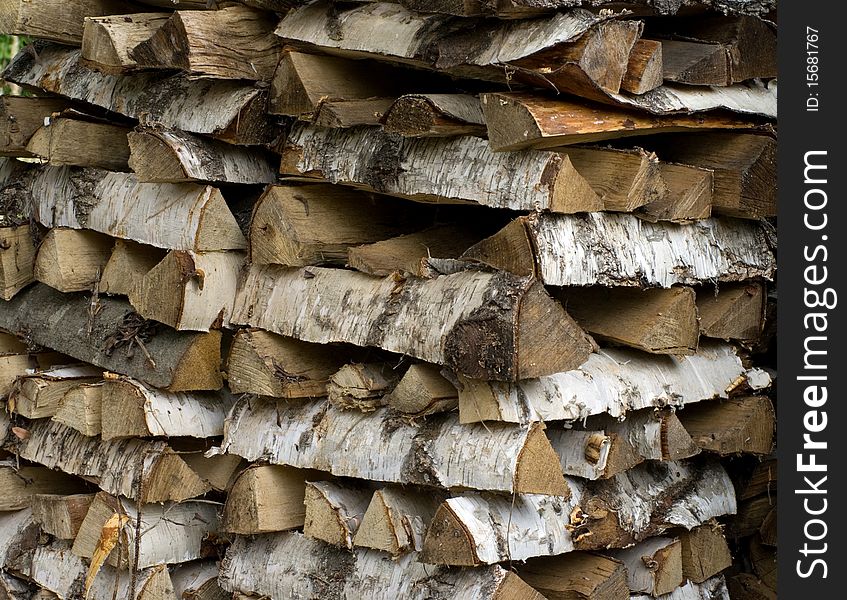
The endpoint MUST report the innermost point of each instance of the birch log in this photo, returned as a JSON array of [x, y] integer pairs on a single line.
[[78, 142], [396, 520], [654, 566], [190, 291], [37, 395], [21, 117], [690, 195], [362, 386], [170, 533], [622, 250], [119, 468], [705, 552], [54, 19], [71, 260], [379, 447], [132, 409], [19, 535], [422, 391], [577, 575], [732, 312], [613, 381], [61, 515], [644, 69], [18, 364], [19, 485], [520, 9], [334, 511], [108, 41], [272, 365], [56, 568], [518, 120], [291, 565], [485, 325], [435, 115], [17, 260], [175, 216], [301, 225], [180, 361], [198, 581], [448, 170], [227, 110], [711, 589], [236, 42], [735, 426], [179, 157], [126, 267]]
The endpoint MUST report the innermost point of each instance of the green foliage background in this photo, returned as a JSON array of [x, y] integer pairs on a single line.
[[9, 45]]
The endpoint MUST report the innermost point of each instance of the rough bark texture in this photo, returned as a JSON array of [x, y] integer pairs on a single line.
[[380, 447], [443, 170], [334, 511], [112, 339], [435, 115], [610, 381], [55, 20], [228, 110], [484, 325]]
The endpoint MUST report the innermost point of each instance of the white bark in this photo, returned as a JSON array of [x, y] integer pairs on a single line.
[[396, 520], [192, 578], [289, 565], [571, 446], [755, 98], [176, 216], [334, 511], [711, 589], [641, 576], [623, 250], [613, 381], [379, 447], [16, 538]]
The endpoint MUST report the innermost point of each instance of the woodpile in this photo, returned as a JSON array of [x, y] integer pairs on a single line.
[[464, 299]]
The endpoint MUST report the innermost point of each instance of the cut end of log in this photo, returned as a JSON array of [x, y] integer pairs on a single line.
[[199, 368], [539, 470], [448, 541]]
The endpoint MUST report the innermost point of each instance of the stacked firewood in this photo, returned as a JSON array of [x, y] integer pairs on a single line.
[[453, 300]]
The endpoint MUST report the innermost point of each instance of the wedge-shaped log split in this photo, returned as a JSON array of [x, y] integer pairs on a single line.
[[711, 589], [55, 20], [653, 566], [396, 520], [334, 511], [82, 143], [485, 325], [72, 260], [17, 260], [379, 447], [37, 395], [21, 117], [61, 515], [107, 42], [578, 575]]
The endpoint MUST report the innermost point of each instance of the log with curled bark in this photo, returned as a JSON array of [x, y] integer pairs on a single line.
[[290, 565], [485, 325], [382, 447]]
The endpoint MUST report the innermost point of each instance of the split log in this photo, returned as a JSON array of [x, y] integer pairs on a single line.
[[227, 110], [170, 533], [745, 586], [762, 481], [443, 170], [521, 9], [56, 568], [19, 535], [409, 254], [303, 83], [734, 426], [644, 71], [14, 588], [290, 565], [650, 499], [475, 529], [272, 365], [380, 447], [81, 143], [763, 559], [712, 589], [362, 386], [14, 366], [627, 251], [61, 515], [518, 120], [107, 42], [21, 117], [334, 511], [423, 391], [126, 267], [179, 157], [198, 581], [659, 321], [301, 225], [352, 113], [751, 515], [453, 320], [71, 260], [689, 195], [732, 312], [435, 115], [396, 520], [55, 20], [181, 361], [18, 486], [37, 395], [613, 381], [175, 216], [576, 576], [232, 43], [718, 50], [131, 409], [266, 498], [653, 566], [190, 291], [705, 552], [117, 467], [17, 260]]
